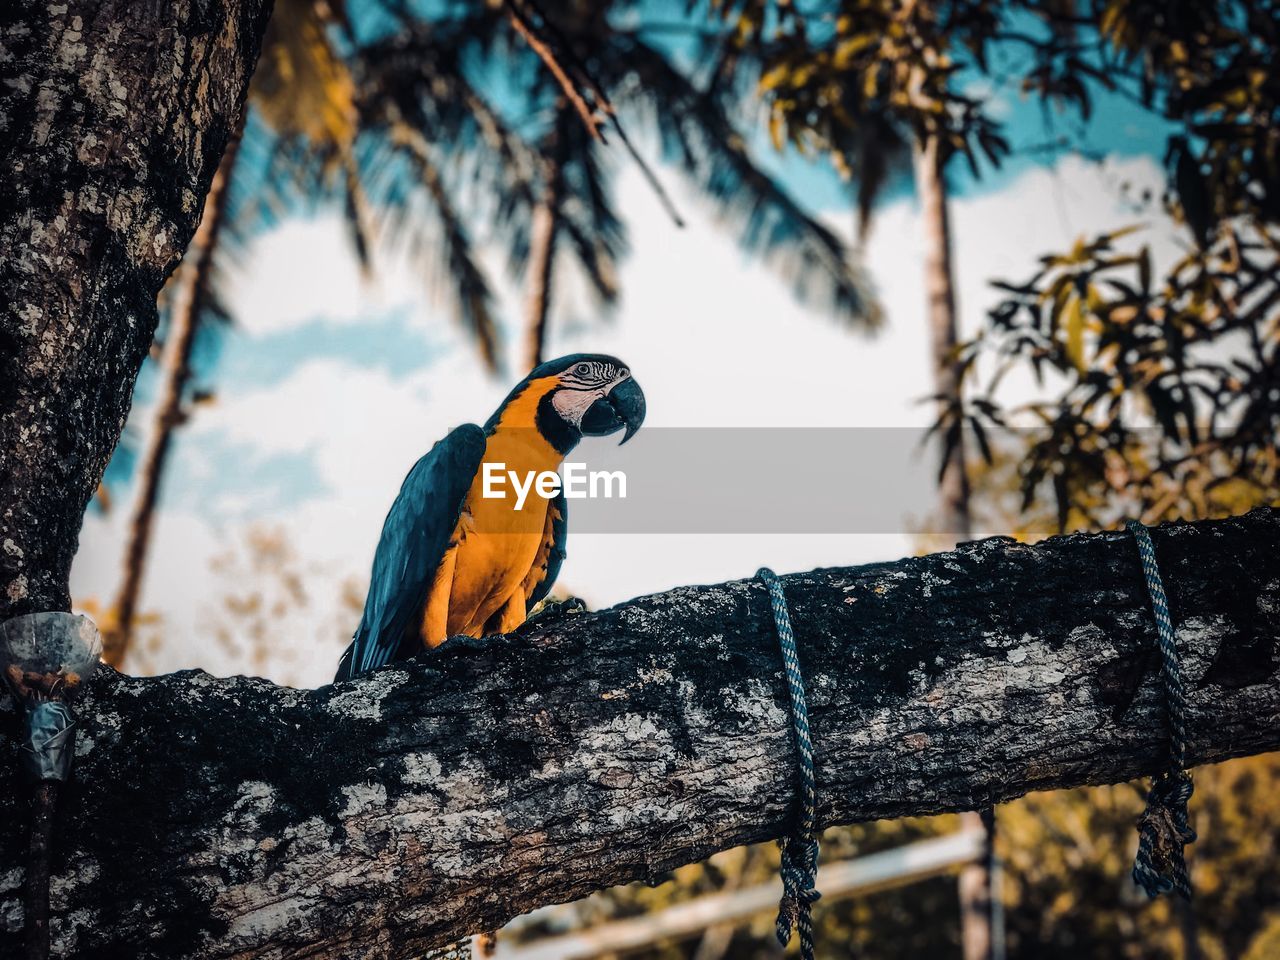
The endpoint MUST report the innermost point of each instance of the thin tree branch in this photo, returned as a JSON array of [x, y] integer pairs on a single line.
[[560, 62], [650, 176], [572, 91]]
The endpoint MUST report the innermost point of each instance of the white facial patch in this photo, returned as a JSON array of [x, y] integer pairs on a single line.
[[572, 405], [582, 385]]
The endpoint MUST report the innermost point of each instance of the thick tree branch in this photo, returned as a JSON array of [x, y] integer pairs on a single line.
[[231, 818], [113, 117]]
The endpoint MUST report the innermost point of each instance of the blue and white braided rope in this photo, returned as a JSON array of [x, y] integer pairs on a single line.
[[1160, 865], [800, 849]]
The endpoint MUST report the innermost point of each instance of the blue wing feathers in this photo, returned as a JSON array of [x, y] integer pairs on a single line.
[[414, 539]]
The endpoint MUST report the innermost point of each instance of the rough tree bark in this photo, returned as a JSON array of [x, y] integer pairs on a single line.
[[113, 118], [232, 818]]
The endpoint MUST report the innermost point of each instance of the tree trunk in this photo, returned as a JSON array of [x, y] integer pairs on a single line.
[[954, 515], [544, 232], [973, 888], [35, 899], [113, 118], [189, 302], [219, 818], [953, 489]]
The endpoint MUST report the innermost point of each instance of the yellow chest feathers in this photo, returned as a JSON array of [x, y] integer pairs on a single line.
[[498, 551]]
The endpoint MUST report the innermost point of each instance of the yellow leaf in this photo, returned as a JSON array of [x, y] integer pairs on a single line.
[[1073, 323], [777, 129], [774, 77]]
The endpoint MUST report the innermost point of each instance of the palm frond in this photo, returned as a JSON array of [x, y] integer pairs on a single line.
[[420, 72], [598, 264], [357, 212], [302, 85], [697, 134], [872, 154], [597, 235], [472, 295]]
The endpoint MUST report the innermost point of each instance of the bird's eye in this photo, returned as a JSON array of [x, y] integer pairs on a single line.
[[582, 369], [624, 373]]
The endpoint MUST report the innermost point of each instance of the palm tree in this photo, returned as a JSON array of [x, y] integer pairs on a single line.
[[878, 95], [309, 111], [547, 226], [954, 516], [395, 130], [575, 221]]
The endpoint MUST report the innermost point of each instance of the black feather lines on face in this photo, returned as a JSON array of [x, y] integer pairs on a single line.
[[588, 375]]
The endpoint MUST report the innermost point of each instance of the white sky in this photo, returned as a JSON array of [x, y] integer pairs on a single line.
[[714, 339]]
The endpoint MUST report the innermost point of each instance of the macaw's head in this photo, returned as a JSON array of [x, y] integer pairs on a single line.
[[584, 394]]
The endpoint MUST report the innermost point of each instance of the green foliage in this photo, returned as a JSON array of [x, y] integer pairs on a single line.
[[1210, 68], [859, 80], [1162, 397], [695, 125], [329, 113], [693, 121], [390, 115], [863, 83], [883, 71], [302, 85], [1159, 395]]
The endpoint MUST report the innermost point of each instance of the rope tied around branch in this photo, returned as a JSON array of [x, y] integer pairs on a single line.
[[1163, 831], [800, 848]]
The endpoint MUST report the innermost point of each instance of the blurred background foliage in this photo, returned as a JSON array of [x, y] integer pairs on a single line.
[[434, 128], [1066, 886]]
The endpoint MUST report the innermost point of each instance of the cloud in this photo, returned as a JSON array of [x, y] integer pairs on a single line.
[[304, 269], [392, 341], [320, 445]]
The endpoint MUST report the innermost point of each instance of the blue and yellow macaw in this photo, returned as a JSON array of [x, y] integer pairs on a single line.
[[452, 561]]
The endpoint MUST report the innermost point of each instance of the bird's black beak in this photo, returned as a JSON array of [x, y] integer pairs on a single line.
[[622, 407]]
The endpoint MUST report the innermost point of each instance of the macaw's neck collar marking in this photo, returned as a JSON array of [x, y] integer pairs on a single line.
[[557, 431], [531, 410], [523, 413]]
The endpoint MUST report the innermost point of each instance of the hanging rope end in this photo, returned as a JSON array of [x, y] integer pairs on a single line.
[[1163, 833]]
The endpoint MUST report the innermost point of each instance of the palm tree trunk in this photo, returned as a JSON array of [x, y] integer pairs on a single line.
[[544, 233], [190, 297], [954, 518], [978, 936]]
